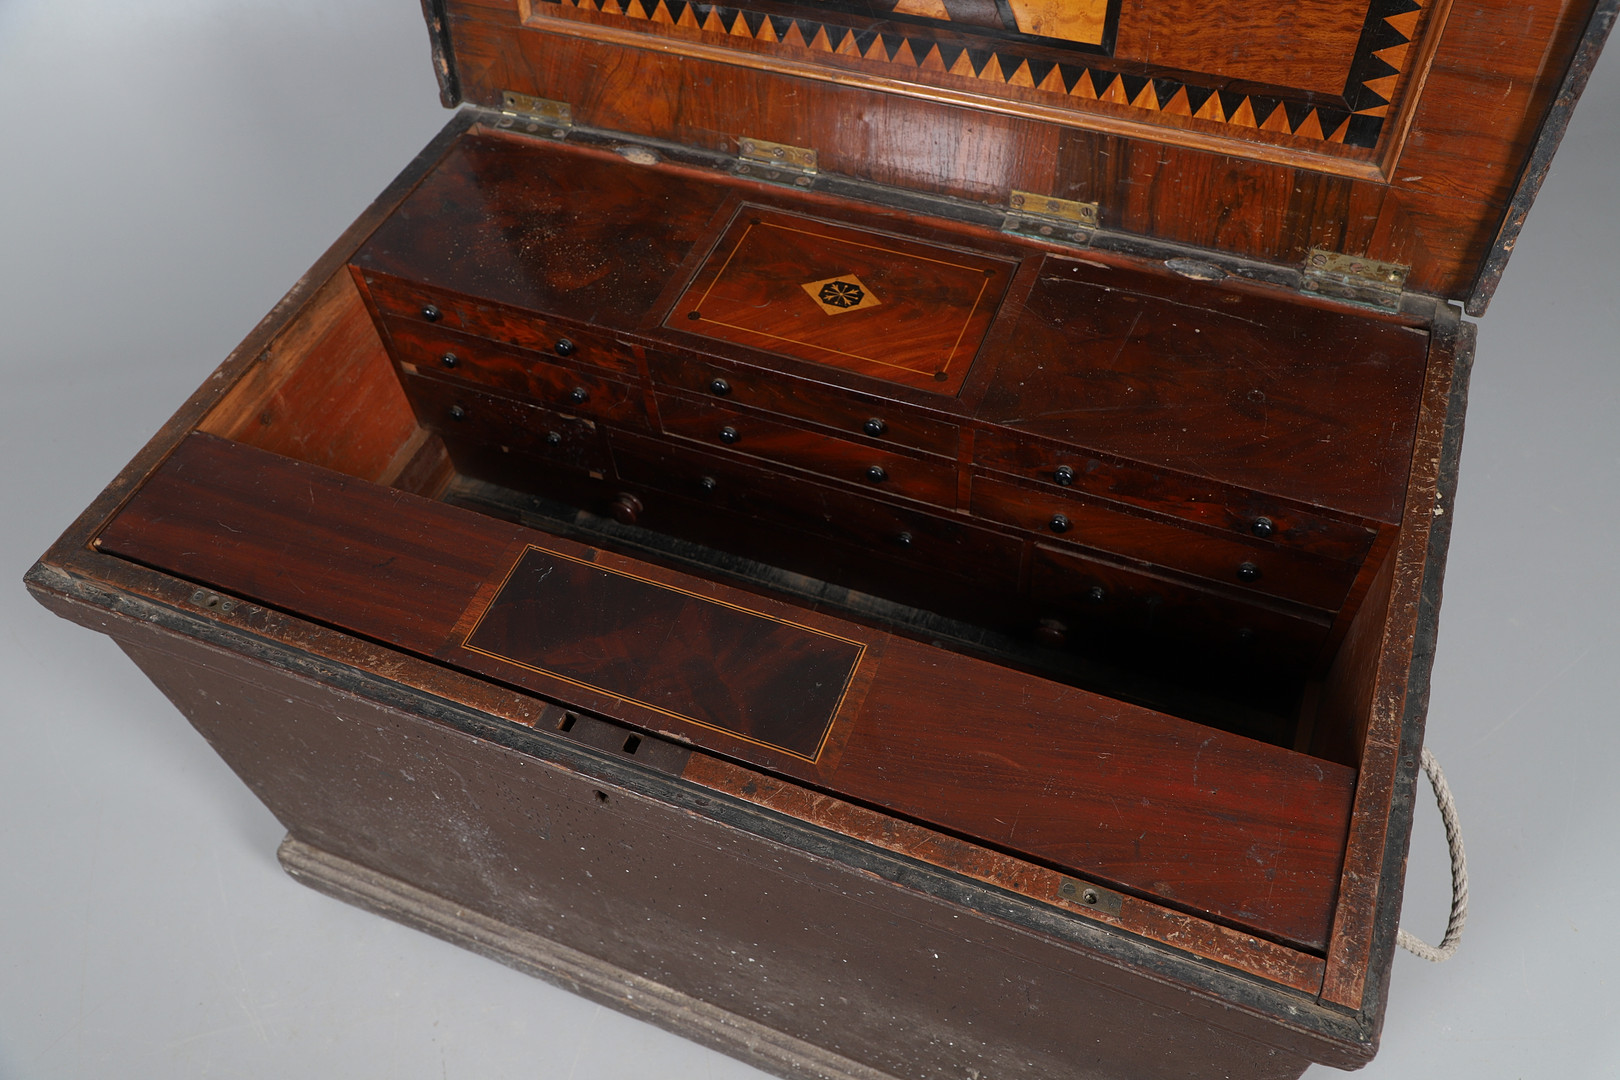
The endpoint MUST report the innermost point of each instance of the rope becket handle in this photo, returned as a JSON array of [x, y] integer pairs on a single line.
[[1459, 872]]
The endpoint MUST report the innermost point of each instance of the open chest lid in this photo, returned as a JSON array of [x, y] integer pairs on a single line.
[[1361, 147]]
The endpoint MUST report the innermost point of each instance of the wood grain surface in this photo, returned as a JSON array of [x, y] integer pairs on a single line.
[[1304, 403], [885, 306], [1430, 196], [763, 678], [1233, 829], [1205, 449], [1256, 392]]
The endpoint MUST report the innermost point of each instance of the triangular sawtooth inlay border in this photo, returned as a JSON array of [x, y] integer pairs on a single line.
[[1358, 120]]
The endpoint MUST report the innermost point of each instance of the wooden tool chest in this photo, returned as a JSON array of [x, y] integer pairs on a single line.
[[1004, 512]]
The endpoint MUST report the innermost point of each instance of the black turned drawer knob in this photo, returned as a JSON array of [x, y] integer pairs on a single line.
[[431, 313], [707, 484], [579, 395], [1248, 572], [729, 435], [719, 387], [450, 359], [553, 438], [1064, 475], [626, 509], [564, 347], [875, 426], [1060, 523], [1263, 526], [903, 539], [876, 473], [457, 413], [1096, 594]]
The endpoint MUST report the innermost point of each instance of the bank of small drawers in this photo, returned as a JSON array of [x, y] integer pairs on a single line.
[[464, 415], [1096, 598], [853, 415], [1070, 519], [946, 544], [445, 354], [579, 345], [1061, 470], [928, 480], [1091, 544]]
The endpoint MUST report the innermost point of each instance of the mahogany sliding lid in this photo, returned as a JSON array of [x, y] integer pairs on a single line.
[[1409, 132]]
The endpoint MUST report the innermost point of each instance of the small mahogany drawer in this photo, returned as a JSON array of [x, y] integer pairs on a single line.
[[866, 418], [527, 330], [1088, 597], [1208, 502], [943, 543], [445, 354], [930, 480], [1293, 575], [463, 415]]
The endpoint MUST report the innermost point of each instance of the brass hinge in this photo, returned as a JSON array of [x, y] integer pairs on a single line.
[[778, 163], [1348, 277], [521, 112], [1050, 217]]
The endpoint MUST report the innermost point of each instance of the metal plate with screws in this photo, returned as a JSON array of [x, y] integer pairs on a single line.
[[1091, 896], [777, 163], [1050, 218], [1361, 281], [535, 115], [781, 155]]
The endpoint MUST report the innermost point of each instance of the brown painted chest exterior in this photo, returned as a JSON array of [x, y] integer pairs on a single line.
[[950, 494]]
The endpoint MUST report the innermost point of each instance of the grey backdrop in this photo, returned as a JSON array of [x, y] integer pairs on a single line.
[[167, 170]]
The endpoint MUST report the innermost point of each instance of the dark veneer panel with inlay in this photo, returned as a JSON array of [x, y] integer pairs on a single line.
[[695, 659], [881, 305], [1296, 401]]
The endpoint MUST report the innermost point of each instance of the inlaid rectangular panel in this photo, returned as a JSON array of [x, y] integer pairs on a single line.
[[693, 658], [891, 308]]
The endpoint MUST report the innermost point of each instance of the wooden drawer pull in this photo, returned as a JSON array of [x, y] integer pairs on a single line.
[[626, 509]]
